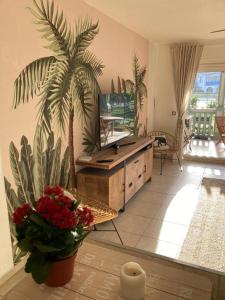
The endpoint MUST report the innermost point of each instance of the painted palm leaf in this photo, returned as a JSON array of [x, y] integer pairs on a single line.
[[33, 171], [38, 172], [55, 171], [31, 79], [53, 28], [85, 33], [64, 171], [26, 157], [19, 173]]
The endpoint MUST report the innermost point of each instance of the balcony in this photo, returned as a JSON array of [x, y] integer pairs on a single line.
[[204, 146], [203, 123]]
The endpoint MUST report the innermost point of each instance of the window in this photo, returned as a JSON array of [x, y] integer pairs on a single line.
[[205, 94]]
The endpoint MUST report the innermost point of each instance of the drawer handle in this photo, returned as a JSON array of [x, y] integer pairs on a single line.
[[136, 161], [139, 176], [130, 184]]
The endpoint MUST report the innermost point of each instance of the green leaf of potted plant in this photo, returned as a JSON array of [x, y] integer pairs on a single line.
[[51, 232]]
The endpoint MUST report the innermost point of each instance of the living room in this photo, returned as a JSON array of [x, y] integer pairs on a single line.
[[118, 103]]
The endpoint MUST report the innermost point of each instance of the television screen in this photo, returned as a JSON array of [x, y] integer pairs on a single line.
[[116, 117]]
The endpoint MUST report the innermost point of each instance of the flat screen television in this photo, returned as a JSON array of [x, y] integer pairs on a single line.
[[116, 117]]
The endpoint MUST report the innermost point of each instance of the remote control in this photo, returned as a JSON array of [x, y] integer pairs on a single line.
[[104, 160]]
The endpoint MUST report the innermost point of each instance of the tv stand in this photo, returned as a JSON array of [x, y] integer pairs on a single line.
[[117, 146], [115, 178]]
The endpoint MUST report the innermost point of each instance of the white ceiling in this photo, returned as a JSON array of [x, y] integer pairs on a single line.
[[168, 20]]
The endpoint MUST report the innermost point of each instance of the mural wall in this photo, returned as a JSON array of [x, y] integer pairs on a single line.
[[59, 54]]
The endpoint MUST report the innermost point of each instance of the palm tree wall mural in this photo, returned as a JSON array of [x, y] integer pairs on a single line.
[[66, 82], [138, 90]]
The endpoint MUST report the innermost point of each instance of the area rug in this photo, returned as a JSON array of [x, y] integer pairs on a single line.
[[204, 244]]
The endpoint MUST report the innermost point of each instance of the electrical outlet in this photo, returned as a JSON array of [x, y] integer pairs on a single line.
[[174, 113]]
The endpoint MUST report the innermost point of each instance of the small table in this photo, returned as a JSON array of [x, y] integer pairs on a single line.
[[97, 277]]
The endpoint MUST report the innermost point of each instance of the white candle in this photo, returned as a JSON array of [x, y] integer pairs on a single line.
[[132, 281]]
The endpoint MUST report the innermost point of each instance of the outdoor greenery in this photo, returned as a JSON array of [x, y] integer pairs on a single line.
[[194, 101], [32, 171], [66, 81]]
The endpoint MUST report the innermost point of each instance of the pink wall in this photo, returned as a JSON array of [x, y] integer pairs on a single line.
[[21, 44]]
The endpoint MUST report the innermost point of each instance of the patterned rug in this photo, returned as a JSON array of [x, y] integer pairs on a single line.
[[204, 244]]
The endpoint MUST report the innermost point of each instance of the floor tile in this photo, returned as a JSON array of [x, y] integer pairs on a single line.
[[206, 148], [158, 247], [166, 231], [105, 226], [129, 223], [129, 239], [144, 209], [106, 236]]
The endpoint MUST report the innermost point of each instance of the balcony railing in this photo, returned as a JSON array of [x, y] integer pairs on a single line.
[[203, 122]]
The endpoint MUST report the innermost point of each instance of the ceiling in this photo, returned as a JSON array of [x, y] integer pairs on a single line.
[[168, 20]]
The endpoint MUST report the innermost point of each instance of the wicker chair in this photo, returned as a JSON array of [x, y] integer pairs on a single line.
[[220, 123], [102, 213], [164, 151]]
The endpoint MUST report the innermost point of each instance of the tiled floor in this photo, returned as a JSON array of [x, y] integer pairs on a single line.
[[206, 148], [157, 218]]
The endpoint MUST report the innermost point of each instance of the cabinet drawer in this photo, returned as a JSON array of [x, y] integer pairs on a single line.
[[140, 180], [135, 166], [134, 175], [130, 189]]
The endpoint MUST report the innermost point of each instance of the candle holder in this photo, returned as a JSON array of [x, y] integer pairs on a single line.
[[132, 281]]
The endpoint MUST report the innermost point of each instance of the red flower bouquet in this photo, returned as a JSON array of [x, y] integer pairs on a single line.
[[51, 231]]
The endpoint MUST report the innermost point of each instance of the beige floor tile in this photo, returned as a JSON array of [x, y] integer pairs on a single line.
[[105, 226], [166, 231], [129, 239], [181, 208], [171, 168], [133, 224], [171, 184], [144, 209], [158, 247], [110, 236]]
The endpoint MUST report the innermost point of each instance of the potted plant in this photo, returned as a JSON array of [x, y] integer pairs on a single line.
[[51, 232]]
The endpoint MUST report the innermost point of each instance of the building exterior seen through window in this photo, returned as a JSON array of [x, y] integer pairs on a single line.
[[207, 102], [206, 90]]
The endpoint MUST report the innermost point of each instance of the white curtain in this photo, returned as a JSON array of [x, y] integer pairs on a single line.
[[185, 62]]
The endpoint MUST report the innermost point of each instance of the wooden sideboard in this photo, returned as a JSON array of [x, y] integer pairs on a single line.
[[115, 182]]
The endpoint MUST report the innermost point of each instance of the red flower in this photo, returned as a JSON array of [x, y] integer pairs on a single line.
[[57, 211], [20, 213], [85, 216], [64, 219], [53, 191], [66, 201], [46, 205]]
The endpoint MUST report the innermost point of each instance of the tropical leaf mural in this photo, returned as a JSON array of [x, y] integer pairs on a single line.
[[32, 171], [65, 83], [138, 90], [91, 138]]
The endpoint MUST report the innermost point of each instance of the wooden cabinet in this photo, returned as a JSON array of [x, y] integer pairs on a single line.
[[102, 185], [117, 185], [148, 163]]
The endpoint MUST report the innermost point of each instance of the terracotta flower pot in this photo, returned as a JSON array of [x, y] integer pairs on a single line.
[[61, 271]]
